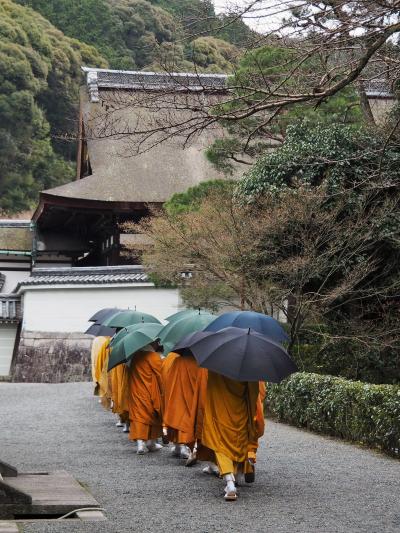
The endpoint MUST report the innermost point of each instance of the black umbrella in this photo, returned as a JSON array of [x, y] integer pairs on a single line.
[[181, 347], [98, 330], [240, 354], [101, 315]]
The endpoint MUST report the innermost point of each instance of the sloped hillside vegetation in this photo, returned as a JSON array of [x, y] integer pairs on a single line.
[[39, 81]]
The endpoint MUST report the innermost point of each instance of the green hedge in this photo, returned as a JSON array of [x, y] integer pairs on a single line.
[[356, 411]]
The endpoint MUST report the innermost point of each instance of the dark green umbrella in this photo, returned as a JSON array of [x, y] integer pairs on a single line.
[[174, 331], [130, 340], [185, 313], [123, 319]]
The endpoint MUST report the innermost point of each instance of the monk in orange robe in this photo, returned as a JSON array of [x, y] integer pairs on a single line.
[[95, 350], [144, 400], [184, 392], [249, 470], [229, 427], [119, 394], [101, 372]]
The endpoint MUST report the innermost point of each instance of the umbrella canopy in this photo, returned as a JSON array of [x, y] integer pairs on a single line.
[[175, 331], [130, 340], [185, 313], [101, 315], [98, 330], [122, 319], [182, 348], [243, 355], [250, 319]]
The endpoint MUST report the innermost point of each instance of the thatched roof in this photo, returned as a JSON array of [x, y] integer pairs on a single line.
[[118, 175], [15, 236]]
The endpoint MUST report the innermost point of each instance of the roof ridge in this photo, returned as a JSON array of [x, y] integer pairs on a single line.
[[147, 80], [84, 271]]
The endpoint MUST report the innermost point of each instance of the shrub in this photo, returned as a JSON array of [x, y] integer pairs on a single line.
[[352, 410]]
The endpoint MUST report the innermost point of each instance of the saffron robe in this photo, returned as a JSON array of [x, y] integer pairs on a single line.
[[101, 373], [229, 422], [144, 396], [259, 421], [184, 393], [119, 389], [95, 350]]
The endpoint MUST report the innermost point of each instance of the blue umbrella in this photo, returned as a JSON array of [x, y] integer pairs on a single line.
[[239, 354], [250, 319]]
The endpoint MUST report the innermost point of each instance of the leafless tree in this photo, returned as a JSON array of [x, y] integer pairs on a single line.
[[326, 46], [289, 253]]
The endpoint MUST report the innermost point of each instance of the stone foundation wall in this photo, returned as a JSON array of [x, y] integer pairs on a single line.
[[52, 357]]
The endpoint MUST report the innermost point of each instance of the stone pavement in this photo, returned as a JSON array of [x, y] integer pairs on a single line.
[[305, 483]]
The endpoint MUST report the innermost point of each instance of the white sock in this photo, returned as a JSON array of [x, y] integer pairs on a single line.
[[230, 483]]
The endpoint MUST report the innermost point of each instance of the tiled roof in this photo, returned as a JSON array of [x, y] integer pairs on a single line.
[[85, 276], [2, 281], [138, 80]]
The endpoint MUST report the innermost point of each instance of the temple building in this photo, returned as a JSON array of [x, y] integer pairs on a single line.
[[114, 184], [71, 258], [74, 256]]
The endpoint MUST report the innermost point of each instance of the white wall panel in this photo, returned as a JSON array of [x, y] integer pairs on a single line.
[[7, 340], [68, 309]]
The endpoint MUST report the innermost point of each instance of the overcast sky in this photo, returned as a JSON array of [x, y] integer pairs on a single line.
[[267, 19]]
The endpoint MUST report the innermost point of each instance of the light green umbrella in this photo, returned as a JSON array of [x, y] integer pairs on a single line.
[[123, 319], [175, 331], [185, 313], [131, 340]]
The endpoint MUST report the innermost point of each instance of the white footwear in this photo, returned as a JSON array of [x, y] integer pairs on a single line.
[[181, 451], [141, 448], [185, 452], [119, 424], [153, 446], [230, 489], [126, 427], [211, 469]]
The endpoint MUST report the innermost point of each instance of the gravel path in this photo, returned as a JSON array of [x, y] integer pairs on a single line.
[[305, 483]]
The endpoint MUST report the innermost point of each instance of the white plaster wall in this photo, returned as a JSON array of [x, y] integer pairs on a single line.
[[8, 333], [67, 309], [12, 279]]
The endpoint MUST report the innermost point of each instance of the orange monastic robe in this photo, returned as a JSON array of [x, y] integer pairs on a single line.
[[259, 420], [184, 393], [229, 422], [101, 373], [144, 396], [119, 389], [97, 344]]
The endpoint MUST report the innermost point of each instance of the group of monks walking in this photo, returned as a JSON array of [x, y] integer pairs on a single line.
[[204, 415]]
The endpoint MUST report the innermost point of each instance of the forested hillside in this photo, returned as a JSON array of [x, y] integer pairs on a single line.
[[43, 43], [133, 34], [39, 81]]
